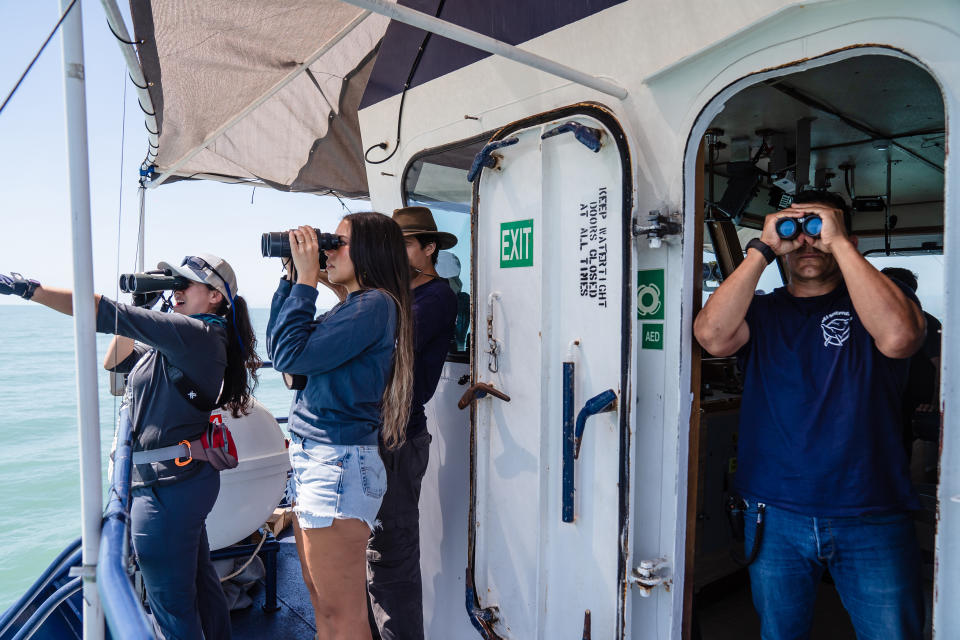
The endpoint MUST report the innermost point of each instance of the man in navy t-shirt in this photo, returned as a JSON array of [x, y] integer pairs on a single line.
[[393, 554], [820, 460]]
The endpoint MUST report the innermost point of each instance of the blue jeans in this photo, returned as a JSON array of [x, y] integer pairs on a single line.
[[168, 527], [874, 562]]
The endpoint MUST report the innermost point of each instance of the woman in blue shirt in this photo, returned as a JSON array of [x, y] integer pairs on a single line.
[[358, 363]]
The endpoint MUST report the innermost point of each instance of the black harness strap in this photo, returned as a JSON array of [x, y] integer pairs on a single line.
[[190, 391]]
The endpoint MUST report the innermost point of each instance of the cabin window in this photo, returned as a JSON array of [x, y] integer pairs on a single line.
[[437, 179]]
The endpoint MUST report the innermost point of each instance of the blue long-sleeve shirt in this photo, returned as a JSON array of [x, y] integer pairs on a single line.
[[346, 355]]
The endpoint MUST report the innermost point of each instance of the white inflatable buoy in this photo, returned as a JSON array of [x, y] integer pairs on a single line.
[[250, 492]]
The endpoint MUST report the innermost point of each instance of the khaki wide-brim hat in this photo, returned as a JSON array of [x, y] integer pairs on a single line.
[[418, 221]]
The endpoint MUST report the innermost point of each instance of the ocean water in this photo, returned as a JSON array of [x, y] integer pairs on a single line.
[[39, 469]]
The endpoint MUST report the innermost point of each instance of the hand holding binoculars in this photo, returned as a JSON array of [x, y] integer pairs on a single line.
[[790, 228]]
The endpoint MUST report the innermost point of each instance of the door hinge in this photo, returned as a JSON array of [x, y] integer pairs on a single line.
[[658, 226], [651, 573]]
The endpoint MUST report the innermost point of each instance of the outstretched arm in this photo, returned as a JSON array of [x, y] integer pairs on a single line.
[[62, 300], [59, 299]]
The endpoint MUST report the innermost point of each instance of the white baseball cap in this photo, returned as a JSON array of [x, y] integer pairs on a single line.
[[208, 269]]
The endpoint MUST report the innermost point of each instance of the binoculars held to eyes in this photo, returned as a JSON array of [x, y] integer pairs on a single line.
[[157, 280], [276, 244], [790, 228]]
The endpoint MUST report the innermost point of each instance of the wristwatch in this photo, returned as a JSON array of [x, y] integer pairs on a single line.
[[762, 247]]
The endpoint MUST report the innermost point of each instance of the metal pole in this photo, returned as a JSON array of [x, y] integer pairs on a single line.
[[115, 20], [141, 234], [91, 489], [886, 211], [486, 43]]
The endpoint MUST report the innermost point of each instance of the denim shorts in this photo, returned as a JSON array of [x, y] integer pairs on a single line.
[[331, 481]]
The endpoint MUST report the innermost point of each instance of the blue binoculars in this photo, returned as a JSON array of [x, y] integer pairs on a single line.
[[790, 228]]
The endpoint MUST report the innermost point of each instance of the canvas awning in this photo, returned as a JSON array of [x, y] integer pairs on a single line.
[[213, 69]]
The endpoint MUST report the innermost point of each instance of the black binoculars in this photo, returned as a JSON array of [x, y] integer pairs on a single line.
[[157, 280], [790, 228], [276, 244]]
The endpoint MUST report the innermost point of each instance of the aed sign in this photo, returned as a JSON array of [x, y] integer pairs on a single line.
[[516, 244], [652, 336]]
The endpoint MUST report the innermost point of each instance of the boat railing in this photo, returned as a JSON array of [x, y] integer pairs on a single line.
[[121, 605], [69, 557], [267, 364]]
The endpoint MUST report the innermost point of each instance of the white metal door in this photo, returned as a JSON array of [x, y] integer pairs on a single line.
[[551, 331]]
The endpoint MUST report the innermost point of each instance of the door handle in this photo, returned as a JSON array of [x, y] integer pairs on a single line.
[[480, 390], [573, 434], [600, 403], [587, 136]]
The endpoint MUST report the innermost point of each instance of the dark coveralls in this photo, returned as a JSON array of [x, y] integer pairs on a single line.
[[393, 553], [170, 504]]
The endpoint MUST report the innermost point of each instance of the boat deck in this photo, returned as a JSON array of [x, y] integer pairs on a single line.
[[294, 619]]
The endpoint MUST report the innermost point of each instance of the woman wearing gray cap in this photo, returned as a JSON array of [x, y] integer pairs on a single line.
[[181, 365]]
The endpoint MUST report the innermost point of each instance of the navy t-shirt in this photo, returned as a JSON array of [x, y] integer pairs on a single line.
[[434, 317], [820, 414]]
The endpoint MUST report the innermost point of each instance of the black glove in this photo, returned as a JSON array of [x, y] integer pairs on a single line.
[[146, 300], [16, 284]]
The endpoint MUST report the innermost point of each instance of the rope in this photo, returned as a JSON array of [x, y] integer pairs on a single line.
[[32, 62], [250, 559], [110, 26]]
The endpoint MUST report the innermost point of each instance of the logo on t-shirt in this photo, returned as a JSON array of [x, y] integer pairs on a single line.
[[836, 328]]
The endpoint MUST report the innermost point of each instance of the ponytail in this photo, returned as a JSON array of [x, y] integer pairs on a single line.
[[240, 378]]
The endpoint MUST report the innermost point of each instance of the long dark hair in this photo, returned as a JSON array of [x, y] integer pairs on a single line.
[[379, 258], [240, 378]]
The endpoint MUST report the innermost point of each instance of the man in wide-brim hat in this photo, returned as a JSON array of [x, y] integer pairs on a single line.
[[393, 555], [418, 223]]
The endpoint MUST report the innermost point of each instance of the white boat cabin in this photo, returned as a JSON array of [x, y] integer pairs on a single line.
[[581, 491]]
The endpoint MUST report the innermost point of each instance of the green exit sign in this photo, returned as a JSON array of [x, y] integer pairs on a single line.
[[516, 244]]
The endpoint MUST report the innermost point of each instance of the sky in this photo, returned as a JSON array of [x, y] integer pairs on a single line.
[[183, 218]]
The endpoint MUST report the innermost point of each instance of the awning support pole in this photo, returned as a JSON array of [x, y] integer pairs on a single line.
[[287, 79], [88, 407], [486, 43], [115, 20]]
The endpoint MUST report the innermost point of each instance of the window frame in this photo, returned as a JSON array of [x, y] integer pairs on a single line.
[[462, 357]]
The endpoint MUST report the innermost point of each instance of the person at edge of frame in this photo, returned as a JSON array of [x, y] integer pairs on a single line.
[[820, 460], [923, 383], [394, 583], [209, 341], [358, 362]]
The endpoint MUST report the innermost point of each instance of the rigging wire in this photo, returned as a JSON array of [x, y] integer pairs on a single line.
[[32, 62], [339, 199], [403, 98]]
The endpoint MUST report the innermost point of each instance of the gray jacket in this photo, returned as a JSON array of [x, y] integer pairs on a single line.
[[166, 344]]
